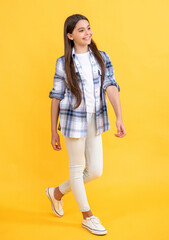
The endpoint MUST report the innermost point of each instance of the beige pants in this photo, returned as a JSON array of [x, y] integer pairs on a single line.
[[89, 147]]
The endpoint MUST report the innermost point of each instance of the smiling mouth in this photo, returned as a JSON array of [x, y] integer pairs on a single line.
[[87, 38]]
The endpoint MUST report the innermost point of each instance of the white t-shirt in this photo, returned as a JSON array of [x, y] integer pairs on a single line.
[[88, 86]]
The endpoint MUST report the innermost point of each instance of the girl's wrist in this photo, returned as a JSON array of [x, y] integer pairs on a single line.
[[119, 119], [54, 131]]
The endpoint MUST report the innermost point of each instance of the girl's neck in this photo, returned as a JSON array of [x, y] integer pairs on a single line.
[[79, 50]]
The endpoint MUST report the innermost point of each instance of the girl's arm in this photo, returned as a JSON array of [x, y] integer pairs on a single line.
[[57, 94], [55, 109], [114, 98]]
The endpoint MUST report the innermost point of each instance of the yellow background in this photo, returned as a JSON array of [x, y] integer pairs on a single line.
[[131, 198]]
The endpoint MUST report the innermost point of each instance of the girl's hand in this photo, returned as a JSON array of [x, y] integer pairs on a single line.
[[121, 132], [56, 139]]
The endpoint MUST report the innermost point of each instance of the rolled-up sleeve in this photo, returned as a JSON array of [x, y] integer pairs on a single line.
[[59, 84], [109, 78]]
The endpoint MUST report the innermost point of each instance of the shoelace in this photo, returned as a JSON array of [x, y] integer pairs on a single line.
[[94, 219]]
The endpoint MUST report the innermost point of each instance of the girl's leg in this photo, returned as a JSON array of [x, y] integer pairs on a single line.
[[93, 152], [76, 149], [94, 155]]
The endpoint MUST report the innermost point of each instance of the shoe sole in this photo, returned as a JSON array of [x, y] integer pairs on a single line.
[[96, 232], [53, 207]]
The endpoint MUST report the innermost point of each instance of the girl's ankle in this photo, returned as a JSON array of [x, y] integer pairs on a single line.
[[57, 194], [87, 216]]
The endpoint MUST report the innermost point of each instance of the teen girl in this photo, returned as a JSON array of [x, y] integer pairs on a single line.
[[83, 75]]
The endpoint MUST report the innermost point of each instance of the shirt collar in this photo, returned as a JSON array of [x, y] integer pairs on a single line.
[[73, 51]]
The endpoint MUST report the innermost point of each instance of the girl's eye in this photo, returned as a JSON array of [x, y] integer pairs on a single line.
[[82, 30]]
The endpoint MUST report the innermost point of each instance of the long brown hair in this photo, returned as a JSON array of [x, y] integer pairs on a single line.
[[72, 78]]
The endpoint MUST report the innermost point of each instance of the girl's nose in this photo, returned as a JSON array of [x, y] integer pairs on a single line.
[[87, 32]]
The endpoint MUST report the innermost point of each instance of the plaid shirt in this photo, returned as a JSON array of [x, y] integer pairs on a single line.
[[73, 123]]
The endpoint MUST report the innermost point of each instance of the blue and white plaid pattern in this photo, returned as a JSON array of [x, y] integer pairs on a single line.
[[73, 123]]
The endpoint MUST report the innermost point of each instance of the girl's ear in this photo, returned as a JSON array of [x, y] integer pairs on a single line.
[[69, 36]]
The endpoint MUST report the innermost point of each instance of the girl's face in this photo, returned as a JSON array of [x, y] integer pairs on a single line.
[[81, 34]]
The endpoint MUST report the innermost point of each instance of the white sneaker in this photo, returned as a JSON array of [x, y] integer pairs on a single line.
[[93, 225], [56, 204]]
